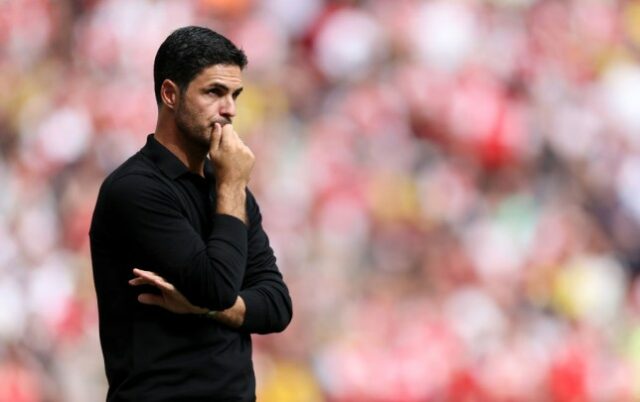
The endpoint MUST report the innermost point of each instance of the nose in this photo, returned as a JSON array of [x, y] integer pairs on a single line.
[[228, 107]]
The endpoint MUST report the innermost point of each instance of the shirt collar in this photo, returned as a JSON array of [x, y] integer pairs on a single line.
[[163, 158]]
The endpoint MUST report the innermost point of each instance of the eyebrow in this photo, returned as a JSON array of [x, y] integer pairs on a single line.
[[225, 88]]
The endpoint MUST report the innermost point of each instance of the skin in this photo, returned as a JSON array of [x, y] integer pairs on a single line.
[[171, 299], [194, 123]]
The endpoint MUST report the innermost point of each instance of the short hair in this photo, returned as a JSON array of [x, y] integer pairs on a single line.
[[188, 51]]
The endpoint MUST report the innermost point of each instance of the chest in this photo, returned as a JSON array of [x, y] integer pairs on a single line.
[[197, 202]]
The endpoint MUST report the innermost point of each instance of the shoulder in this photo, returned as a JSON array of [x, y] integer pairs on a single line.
[[136, 178]]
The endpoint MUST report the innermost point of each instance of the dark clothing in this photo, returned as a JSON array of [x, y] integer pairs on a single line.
[[153, 214]]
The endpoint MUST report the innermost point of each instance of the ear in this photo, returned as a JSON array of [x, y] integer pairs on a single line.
[[169, 93]]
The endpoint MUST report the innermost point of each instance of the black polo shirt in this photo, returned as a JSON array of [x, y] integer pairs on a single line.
[[153, 214]]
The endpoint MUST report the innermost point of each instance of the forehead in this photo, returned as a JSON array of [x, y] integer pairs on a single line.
[[229, 75]]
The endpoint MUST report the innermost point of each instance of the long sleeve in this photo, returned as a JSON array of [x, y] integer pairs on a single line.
[[208, 272], [266, 296], [154, 214]]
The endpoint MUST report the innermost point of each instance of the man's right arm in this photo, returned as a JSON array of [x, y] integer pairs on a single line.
[[210, 272]]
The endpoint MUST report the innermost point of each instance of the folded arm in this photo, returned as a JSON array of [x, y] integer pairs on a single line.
[[171, 299], [261, 301], [148, 215]]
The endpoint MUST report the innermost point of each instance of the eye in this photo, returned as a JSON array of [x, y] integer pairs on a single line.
[[216, 91]]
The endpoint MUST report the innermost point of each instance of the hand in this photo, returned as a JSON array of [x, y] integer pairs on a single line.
[[233, 316], [231, 157], [169, 298], [233, 161]]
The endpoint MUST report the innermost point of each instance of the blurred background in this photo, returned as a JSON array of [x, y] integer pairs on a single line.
[[452, 189]]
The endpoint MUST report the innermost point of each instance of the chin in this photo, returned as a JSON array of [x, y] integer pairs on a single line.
[[204, 142], [198, 140]]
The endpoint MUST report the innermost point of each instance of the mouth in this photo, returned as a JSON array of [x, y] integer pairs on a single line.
[[222, 122]]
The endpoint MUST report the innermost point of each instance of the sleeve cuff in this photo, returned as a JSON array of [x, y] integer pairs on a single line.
[[230, 228], [228, 221]]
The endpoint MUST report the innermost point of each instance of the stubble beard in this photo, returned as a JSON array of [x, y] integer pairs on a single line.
[[196, 135]]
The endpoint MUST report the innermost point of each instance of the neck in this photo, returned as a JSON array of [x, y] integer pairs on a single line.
[[168, 134]]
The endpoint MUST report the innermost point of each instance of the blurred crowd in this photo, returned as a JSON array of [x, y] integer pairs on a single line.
[[452, 189]]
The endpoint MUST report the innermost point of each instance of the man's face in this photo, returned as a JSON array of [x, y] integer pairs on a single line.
[[209, 98]]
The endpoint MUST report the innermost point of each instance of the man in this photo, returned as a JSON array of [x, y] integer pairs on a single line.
[[182, 267]]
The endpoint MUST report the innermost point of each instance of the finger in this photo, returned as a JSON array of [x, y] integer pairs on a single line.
[[151, 299], [140, 272], [229, 136], [216, 136], [153, 279], [139, 281], [152, 276]]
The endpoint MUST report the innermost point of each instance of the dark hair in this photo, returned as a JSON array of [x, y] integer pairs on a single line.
[[188, 51]]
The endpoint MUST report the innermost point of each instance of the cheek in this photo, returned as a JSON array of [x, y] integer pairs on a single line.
[[201, 110], [204, 105], [212, 105]]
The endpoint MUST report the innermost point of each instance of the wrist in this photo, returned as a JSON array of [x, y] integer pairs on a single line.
[[231, 187], [229, 196], [200, 310], [232, 202], [210, 314]]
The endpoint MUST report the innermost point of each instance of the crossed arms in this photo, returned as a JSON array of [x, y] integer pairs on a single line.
[[171, 299], [233, 271]]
